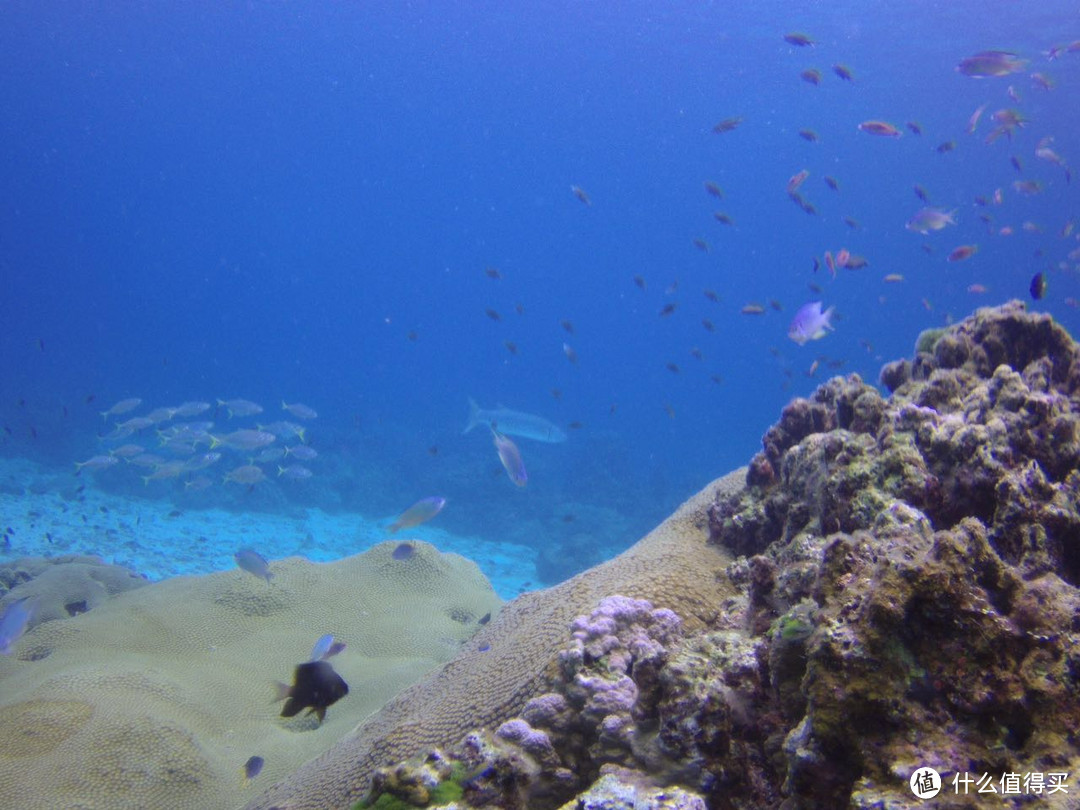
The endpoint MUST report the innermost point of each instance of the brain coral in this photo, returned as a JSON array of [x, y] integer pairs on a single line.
[[157, 697], [673, 567]]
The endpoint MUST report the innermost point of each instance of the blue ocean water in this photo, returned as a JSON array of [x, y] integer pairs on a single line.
[[276, 200]]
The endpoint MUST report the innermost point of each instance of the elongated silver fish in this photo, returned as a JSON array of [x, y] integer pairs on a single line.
[[510, 457], [514, 423]]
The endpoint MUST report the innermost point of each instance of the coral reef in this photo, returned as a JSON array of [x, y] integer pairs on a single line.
[[921, 555], [63, 586], [895, 587], [515, 657], [165, 713]]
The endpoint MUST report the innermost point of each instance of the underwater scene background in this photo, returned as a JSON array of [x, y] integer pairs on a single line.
[[591, 213]]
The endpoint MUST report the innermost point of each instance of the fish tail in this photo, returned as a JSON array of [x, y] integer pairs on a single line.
[[474, 416], [280, 470], [214, 441]]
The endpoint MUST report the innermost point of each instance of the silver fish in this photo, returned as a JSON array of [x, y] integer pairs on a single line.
[[14, 623], [514, 423], [253, 562], [510, 457]]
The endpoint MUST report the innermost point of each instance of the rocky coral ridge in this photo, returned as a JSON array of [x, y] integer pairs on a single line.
[[601, 721], [911, 567]]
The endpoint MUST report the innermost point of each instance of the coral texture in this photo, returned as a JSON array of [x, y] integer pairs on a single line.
[[514, 657], [64, 586], [913, 565], [165, 713]]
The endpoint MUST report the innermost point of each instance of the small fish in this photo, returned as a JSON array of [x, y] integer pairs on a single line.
[[640, 282], [326, 647], [268, 456], [510, 457], [1038, 285], [976, 289], [315, 687], [253, 767], [294, 472], [947, 146], [974, 120], [810, 323], [796, 180], [709, 325], [798, 39], [567, 325], [420, 512], [723, 218], [831, 183], [990, 63], [96, 463], [245, 474], [299, 410], [511, 347], [579, 192], [712, 295], [128, 450], [302, 452], [403, 551], [493, 314], [254, 563], [713, 189], [284, 430], [808, 135], [571, 355], [852, 223], [930, 219], [14, 623], [1028, 188], [753, 309], [244, 439], [811, 76], [915, 127], [240, 407], [668, 309], [962, 252], [856, 262], [122, 407], [844, 72], [920, 192], [672, 367], [493, 273], [726, 125], [701, 245], [893, 278], [881, 128], [187, 410]]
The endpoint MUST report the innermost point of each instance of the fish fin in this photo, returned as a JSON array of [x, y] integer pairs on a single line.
[[281, 691], [320, 713], [280, 470], [474, 416], [284, 406]]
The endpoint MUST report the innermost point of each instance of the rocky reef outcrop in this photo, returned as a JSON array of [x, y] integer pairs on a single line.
[[899, 591]]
